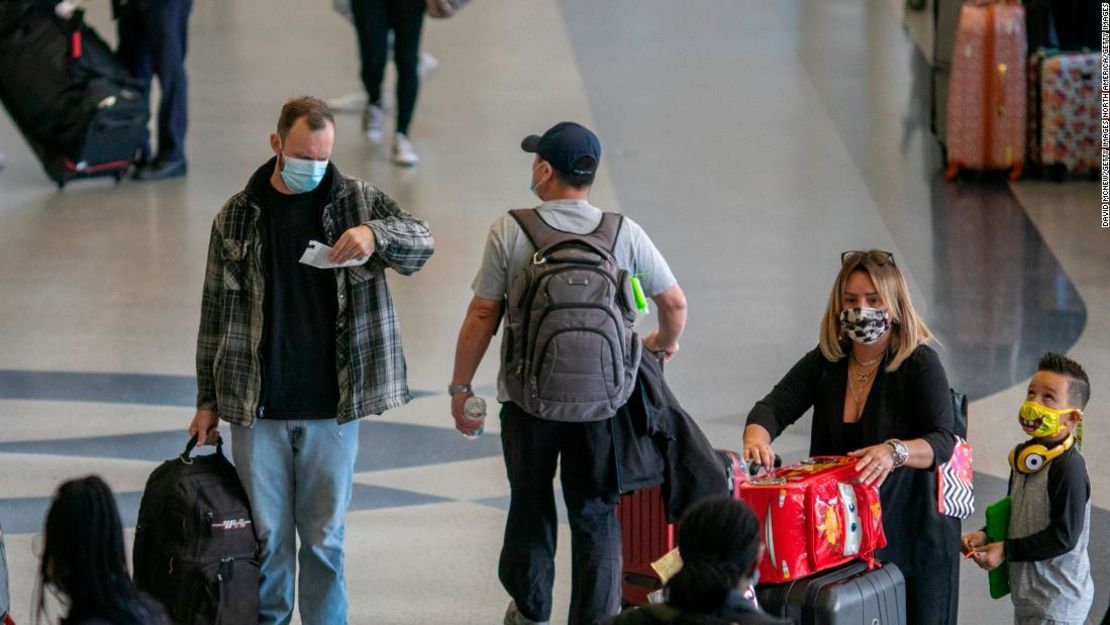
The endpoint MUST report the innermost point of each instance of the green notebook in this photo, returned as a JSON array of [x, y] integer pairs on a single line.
[[998, 523]]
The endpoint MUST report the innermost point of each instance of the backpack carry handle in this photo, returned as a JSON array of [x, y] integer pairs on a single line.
[[185, 455], [540, 257]]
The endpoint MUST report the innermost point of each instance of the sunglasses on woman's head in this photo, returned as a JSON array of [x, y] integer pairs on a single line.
[[879, 257]]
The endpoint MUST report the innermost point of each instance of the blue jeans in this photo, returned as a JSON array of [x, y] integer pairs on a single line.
[[298, 476]]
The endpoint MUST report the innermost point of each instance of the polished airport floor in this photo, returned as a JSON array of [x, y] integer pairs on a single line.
[[753, 140]]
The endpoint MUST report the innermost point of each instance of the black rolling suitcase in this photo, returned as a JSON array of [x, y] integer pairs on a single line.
[[72, 99], [847, 595]]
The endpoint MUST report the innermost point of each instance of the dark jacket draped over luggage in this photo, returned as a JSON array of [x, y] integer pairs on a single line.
[[658, 442]]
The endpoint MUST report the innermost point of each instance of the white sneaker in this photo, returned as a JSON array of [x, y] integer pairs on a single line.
[[403, 152], [426, 65], [514, 617], [372, 118]]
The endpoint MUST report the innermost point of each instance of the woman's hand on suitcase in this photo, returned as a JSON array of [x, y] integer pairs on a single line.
[[205, 426], [757, 447], [875, 463]]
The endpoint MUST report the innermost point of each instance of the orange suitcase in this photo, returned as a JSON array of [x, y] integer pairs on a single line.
[[987, 94]]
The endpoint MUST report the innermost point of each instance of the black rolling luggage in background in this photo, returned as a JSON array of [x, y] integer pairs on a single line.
[[67, 92], [848, 595]]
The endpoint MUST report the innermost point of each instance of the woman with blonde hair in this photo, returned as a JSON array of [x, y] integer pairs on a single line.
[[878, 393]]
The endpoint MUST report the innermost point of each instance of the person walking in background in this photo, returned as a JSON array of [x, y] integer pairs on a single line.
[[83, 559], [152, 41], [374, 20]]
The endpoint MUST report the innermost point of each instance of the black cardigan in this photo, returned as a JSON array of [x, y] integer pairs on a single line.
[[912, 402]]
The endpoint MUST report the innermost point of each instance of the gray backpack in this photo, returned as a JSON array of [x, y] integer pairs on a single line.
[[569, 351]]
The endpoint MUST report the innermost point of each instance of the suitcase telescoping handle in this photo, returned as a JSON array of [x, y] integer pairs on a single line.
[[755, 469], [186, 455]]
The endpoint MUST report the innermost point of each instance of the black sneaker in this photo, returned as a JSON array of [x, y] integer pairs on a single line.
[[161, 170]]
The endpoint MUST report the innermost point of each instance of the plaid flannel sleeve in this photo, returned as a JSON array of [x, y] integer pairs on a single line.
[[403, 242], [208, 336]]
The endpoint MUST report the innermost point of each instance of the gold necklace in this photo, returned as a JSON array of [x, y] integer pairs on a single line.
[[864, 380], [869, 362], [862, 374]]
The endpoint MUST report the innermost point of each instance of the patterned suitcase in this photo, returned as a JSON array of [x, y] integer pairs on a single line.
[[1064, 119], [849, 595], [815, 515], [647, 535], [986, 96]]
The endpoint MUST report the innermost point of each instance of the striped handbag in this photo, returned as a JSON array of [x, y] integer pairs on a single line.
[[955, 488], [955, 478]]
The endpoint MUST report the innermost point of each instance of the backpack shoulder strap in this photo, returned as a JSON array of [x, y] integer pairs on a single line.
[[608, 230], [535, 228], [542, 235]]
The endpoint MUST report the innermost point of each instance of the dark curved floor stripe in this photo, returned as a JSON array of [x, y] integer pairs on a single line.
[[116, 388], [382, 446], [25, 515]]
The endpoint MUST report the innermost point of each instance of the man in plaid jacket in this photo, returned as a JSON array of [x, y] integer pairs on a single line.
[[292, 355]]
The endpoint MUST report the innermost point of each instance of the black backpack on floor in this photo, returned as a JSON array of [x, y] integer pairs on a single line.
[[195, 546]]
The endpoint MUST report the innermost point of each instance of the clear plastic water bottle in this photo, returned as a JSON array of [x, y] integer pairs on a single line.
[[474, 409]]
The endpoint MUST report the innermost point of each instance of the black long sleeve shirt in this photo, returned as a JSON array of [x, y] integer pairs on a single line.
[[1069, 490]]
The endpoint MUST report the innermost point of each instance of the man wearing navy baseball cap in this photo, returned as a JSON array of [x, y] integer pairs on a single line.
[[563, 171], [570, 148]]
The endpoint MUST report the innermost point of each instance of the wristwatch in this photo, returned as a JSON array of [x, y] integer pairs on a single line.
[[901, 452], [454, 389]]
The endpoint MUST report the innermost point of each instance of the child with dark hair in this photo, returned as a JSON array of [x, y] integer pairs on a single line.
[[719, 542], [84, 563], [1050, 503]]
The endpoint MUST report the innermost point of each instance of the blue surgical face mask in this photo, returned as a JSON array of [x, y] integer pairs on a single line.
[[302, 175], [533, 184]]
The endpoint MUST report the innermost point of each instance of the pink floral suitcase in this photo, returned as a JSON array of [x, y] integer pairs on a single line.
[[987, 94], [1065, 117]]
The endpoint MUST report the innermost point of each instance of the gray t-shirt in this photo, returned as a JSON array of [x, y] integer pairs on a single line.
[[508, 250]]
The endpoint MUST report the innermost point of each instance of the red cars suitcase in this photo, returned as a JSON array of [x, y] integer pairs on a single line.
[[850, 595], [986, 97], [815, 515], [646, 535], [1064, 117]]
